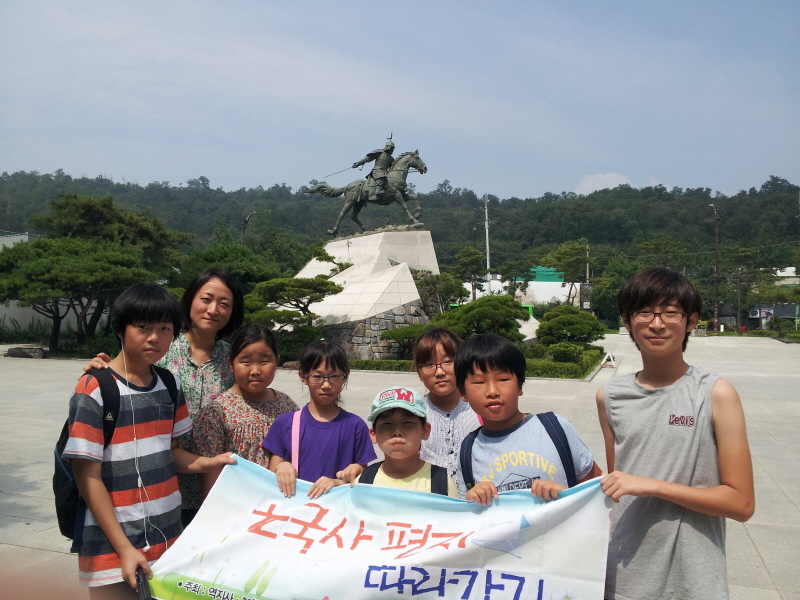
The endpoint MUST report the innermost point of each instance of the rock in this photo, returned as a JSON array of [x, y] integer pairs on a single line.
[[398, 310], [23, 352], [293, 365]]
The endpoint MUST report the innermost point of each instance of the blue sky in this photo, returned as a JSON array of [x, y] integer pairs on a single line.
[[508, 98]]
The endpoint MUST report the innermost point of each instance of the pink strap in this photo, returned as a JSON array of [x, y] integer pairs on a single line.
[[480, 420], [296, 440]]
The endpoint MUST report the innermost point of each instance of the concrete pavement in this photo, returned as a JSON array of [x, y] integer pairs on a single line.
[[763, 554]]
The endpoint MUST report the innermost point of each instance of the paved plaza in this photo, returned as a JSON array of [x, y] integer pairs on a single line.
[[763, 554]]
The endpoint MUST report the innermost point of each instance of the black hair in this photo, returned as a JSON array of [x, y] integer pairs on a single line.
[[237, 308], [144, 303], [425, 346], [390, 411], [323, 353], [252, 334], [488, 353], [657, 286]]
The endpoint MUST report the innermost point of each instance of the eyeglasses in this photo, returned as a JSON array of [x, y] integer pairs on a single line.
[[332, 379], [668, 316], [430, 368]]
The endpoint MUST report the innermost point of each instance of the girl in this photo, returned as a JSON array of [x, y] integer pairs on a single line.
[[239, 419], [450, 418], [212, 307], [334, 445]]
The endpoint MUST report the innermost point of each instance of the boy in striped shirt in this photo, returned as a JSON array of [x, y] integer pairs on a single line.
[[130, 487]]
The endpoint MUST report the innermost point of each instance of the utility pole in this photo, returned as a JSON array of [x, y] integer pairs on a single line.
[[486, 226], [716, 270]]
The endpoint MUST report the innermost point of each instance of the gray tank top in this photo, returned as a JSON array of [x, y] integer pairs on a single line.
[[657, 548]]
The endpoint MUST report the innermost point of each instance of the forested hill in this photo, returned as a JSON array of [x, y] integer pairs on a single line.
[[615, 221]]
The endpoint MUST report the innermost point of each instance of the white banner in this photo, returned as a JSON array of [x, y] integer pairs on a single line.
[[250, 542]]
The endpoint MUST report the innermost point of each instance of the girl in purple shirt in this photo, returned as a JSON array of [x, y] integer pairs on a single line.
[[334, 445]]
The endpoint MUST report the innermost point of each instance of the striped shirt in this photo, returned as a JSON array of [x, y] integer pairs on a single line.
[[448, 430], [146, 424]]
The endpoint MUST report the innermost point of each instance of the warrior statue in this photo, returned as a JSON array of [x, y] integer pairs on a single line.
[[376, 180]]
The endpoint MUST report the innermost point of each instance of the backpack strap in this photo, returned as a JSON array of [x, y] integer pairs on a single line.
[[109, 392], [296, 440], [438, 480], [368, 474], [168, 378], [465, 457], [556, 433]]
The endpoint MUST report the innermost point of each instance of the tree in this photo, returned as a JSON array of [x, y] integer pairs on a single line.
[[76, 216], [438, 292], [490, 314], [741, 273], [517, 274], [248, 266], [470, 268], [157, 246], [661, 250], [54, 276], [606, 288], [571, 258], [568, 324], [406, 336], [296, 293]]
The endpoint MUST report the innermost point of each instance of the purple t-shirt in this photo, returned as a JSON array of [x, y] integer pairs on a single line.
[[325, 447]]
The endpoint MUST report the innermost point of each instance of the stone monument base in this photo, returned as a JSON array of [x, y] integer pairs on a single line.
[[362, 339]]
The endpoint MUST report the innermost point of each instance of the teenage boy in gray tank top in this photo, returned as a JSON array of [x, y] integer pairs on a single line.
[[678, 457]]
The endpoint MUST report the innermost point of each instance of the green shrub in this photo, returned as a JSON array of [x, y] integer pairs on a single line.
[[540, 367], [761, 333], [590, 359], [568, 324], [96, 344], [701, 325], [793, 336], [534, 350], [600, 349], [11, 332], [381, 365], [564, 352]]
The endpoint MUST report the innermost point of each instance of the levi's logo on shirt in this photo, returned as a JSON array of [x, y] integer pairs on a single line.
[[682, 420]]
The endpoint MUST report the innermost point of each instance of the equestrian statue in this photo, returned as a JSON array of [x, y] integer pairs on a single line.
[[386, 183]]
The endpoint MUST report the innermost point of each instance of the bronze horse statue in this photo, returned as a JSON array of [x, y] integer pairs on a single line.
[[356, 195]]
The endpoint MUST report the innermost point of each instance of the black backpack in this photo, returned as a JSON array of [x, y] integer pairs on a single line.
[[70, 507], [438, 477], [554, 430]]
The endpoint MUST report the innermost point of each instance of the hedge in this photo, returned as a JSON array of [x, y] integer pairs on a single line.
[[382, 365], [536, 367]]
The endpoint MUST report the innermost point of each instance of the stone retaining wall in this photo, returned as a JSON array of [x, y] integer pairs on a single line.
[[361, 339]]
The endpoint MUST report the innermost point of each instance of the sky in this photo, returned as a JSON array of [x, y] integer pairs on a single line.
[[506, 98]]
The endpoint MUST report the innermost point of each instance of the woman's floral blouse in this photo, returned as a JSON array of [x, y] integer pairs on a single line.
[[201, 384]]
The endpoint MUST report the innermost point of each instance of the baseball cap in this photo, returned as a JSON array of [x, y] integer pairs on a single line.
[[398, 397]]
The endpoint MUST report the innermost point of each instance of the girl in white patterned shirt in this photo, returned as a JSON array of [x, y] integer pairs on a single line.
[[451, 418]]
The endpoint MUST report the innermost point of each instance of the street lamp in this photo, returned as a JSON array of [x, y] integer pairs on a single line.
[[716, 271]]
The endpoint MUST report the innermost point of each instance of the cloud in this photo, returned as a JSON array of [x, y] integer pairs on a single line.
[[600, 181]]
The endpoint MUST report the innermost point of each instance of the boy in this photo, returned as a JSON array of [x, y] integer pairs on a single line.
[[512, 450], [678, 457], [450, 418], [398, 427], [130, 487]]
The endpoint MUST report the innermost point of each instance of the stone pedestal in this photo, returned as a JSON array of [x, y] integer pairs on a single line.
[[379, 292], [362, 339]]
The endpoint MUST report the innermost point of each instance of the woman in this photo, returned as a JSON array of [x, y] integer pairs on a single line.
[[212, 307]]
